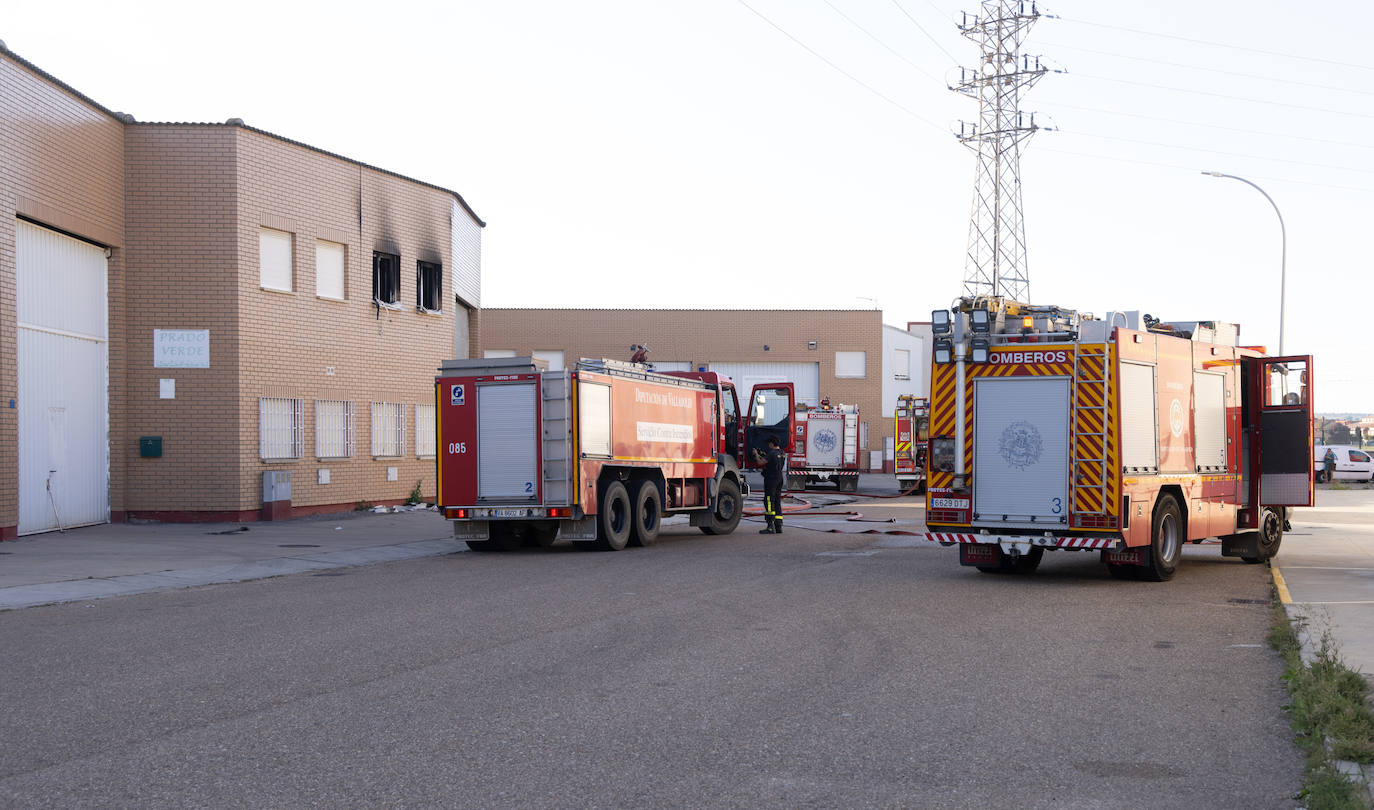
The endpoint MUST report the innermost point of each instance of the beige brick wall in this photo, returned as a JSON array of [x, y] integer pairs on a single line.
[[61, 164], [183, 271], [289, 342], [702, 336]]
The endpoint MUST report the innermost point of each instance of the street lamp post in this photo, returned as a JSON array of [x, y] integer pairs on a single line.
[[1283, 255]]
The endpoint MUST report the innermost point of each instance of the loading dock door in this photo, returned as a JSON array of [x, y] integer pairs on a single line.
[[62, 399]]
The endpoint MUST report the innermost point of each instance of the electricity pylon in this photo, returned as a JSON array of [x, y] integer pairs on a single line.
[[996, 262]]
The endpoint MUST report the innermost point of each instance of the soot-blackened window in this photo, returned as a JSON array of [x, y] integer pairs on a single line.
[[429, 286], [386, 278]]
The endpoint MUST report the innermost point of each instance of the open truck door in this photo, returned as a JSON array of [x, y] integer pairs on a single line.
[[1281, 389], [772, 408]]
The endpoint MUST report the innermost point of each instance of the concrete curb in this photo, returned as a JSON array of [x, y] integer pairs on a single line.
[[24, 596]]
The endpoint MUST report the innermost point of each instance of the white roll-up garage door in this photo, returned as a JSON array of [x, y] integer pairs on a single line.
[[1021, 449], [805, 378], [507, 436], [63, 395]]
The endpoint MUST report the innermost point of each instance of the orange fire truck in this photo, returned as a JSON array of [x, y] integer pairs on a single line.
[[1055, 430], [911, 430], [826, 447], [598, 454]]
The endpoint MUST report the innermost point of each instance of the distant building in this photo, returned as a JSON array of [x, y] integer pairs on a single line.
[[191, 306], [846, 355]]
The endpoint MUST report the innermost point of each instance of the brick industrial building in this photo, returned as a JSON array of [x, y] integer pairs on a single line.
[[845, 355], [191, 306]]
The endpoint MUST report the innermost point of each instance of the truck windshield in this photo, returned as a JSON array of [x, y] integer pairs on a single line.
[[771, 406]]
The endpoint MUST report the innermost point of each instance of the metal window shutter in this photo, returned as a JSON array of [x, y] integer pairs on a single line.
[[594, 418], [274, 259], [507, 437], [1209, 419], [1021, 448], [329, 269], [1139, 425]]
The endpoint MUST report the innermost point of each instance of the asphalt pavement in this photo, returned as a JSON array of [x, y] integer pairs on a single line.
[[1324, 570]]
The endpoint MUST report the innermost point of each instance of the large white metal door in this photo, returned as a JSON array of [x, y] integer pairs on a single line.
[[507, 442], [805, 377], [1021, 450], [63, 394]]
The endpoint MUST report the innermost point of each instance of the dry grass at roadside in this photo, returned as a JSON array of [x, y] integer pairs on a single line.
[[1329, 707]]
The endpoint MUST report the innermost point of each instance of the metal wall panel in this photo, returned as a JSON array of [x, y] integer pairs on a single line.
[[1209, 420], [466, 251], [1139, 422], [1021, 449], [805, 378], [507, 442], [63, 391]]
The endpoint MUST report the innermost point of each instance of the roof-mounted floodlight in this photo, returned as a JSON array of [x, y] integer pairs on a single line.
[[978, 350], [944, 351], [980, 320], [940, 322]]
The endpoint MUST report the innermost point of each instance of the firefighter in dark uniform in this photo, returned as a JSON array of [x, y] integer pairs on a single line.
[[774, 463]]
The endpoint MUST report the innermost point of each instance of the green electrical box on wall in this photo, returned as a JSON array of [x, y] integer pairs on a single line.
[[150, 446]]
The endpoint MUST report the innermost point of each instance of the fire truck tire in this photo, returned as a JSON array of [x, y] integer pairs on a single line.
[[1269, 536], [648, 514], [1022, 564], [729, 507], [1166, 541], [542, 536], [615, 518]]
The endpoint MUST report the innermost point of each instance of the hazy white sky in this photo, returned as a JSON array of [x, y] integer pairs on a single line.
[[633, 153]]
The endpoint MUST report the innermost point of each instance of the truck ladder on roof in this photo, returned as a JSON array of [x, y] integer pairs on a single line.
[[1092, 386], [556, 427]]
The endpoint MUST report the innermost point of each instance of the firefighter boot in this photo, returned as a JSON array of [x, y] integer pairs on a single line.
[[767, 529], [777, 525]]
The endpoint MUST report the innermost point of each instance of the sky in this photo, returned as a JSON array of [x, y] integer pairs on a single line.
[[800, 154]]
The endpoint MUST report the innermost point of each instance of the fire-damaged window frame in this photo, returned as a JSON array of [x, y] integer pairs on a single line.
[[429, 286], [386, 289]]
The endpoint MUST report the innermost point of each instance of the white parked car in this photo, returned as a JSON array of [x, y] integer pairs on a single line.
[[1352, 463]]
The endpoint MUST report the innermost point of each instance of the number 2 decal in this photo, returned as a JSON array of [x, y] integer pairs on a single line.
[[1058, 505], [529, 486]]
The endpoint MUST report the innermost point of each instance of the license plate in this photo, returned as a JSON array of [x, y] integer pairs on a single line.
[[948, 503], [509, 512]]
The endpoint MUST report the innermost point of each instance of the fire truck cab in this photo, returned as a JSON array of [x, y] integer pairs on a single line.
[[1052, 429]]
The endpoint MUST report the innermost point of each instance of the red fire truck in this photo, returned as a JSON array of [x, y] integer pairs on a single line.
[[1055, 430], [826, 447], [598, 454], [911, 429]]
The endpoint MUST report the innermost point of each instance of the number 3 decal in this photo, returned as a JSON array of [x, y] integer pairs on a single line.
[[1058, 505]]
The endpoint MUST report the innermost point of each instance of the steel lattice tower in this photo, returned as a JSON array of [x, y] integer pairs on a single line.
[[997, 233]]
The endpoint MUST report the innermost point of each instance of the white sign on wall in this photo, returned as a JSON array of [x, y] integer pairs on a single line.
[[181, 348]]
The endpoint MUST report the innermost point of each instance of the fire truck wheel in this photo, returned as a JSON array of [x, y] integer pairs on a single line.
[[1269, 537], [1021, 564], [1166, 541], [648, 514], [503, 538], [542, 535], [729, 507], [614, 521]]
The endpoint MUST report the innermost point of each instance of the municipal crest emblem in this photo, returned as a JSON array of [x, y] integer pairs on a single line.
[[1020, 444]]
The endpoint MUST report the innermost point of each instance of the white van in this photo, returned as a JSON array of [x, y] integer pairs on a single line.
[[1352, 463]]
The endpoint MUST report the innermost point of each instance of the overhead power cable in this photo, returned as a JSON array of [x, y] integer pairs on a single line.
[[842, 71], [1212, 70], [1191, 169], [1227, 96], [1218, 152], [923, 30], [1201, 125], [1211, 43], [889, 48]]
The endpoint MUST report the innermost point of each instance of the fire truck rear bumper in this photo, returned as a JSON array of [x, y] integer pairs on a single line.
[[1024, 541]]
